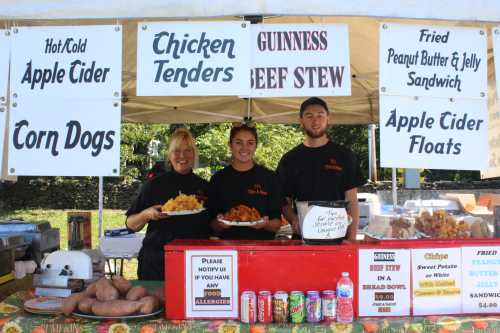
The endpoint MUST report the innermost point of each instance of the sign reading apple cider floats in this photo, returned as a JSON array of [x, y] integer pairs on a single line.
[[65, 101], [300, 60], [433, 97], [384, 282], [437, 281], [481, 276], [193, 59], [212, 284]]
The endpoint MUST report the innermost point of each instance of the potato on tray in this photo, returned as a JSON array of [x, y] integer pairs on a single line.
[[112, 298]]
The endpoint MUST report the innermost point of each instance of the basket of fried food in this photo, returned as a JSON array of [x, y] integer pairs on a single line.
[[182, 204], [242, 215], [113, 299], [441, 225]]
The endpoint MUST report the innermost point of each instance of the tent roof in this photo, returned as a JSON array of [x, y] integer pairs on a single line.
[[359, 108]]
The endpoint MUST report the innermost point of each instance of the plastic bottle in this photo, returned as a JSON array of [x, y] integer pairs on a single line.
[[345, 290]]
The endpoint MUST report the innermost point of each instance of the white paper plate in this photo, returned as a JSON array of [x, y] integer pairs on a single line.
[[135, 316], [241, 223], [185, 212]]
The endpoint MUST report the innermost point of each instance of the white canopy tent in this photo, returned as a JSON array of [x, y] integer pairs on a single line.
[[362, 16]]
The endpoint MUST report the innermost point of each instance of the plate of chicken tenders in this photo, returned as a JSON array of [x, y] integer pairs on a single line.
[[242, 215], [182, 205]]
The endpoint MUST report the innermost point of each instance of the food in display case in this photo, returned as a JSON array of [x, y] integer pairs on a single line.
[[182, 203], [388, 226], [242, 213], [442, 225]]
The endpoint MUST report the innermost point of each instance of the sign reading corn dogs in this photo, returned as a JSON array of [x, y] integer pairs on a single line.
[[481, 276], [384, 282], [437, 281]]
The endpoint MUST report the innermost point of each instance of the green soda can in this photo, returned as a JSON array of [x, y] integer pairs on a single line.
[[297, 304]]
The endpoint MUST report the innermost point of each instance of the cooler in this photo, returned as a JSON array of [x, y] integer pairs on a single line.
[[263, 265]]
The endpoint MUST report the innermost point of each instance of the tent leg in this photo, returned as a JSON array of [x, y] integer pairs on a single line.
[[394, 188], [101, 199]]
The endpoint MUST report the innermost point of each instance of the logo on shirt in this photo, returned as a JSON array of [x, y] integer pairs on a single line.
[[257, 190], [332, 164]]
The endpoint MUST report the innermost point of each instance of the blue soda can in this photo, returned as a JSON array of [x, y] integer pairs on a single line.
[[313, 306]]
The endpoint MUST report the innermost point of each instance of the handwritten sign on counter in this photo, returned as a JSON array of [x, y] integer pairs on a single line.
[[325, 223]]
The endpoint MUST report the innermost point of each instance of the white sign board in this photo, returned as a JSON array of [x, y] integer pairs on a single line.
[[4, 79], [384, 282], [212, 284], [66, 62], [481, 279], [324, 223], [193, 59], [300, 60], [65, 138], [496, 57], [433, 61], [437, 281], [433, 133]]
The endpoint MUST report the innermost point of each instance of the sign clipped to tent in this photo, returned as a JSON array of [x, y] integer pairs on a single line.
[[66, 62], [300, 60], [433, 133], [65, 138], [193, 59], [433, 61], [65, 106], [4, 79]]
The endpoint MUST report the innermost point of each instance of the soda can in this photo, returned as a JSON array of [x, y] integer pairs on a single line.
[[248, 313], [265, 307], [280, 307], [329, 305], [297, 305], [313, 306]]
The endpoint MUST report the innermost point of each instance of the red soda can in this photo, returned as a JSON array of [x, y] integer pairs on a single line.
[[248, 313], [329, 305], [265, 307]]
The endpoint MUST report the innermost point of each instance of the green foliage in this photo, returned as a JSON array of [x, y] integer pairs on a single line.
[[354, 137], [274, 142]]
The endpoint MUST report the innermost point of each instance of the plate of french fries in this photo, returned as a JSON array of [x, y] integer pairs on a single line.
[[183, 204], [242, 215]]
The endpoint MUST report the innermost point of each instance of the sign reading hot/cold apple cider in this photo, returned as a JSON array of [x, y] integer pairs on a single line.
[[211, 284], [437, 281], [481, 277], [384, 282]]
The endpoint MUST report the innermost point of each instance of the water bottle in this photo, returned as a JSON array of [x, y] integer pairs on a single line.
[[345, 290]]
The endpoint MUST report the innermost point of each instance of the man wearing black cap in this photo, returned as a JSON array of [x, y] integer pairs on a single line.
[[318, 169]]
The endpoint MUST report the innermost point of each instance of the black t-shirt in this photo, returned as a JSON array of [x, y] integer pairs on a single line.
[[158, 191], [258, 188], [321, 173]]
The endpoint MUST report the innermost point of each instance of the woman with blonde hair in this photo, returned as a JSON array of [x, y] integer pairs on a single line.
[[163, 228]]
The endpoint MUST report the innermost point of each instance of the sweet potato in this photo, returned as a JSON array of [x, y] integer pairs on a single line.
[[105, 291], [115, 308], [123, 285], [85, 304], [70, 303], [91, 289], [149, 304], [136, 293]]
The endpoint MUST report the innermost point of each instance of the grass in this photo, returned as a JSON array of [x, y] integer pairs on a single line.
[[58, 219]]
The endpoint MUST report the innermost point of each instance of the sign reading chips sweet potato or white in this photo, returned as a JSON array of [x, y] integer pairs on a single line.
[[437, 281]]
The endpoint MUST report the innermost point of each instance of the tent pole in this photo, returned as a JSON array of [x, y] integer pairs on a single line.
[[370, 162], [373, 145], [394, 189], [101, 199]]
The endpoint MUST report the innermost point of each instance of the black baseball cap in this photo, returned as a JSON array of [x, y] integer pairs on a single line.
[[312, 101]]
